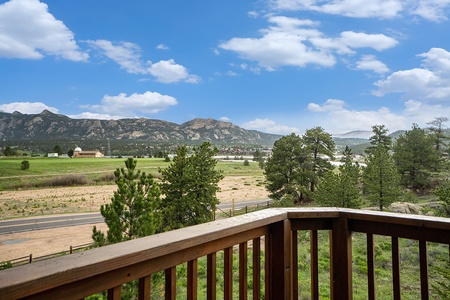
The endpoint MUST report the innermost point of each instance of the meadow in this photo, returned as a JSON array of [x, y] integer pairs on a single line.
[[93, 169], [56, 185]]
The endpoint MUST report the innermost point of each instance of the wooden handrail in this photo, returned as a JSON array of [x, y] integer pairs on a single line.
[[81, 274]]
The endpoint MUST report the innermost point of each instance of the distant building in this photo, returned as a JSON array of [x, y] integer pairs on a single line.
[[78, 153], [52, 154]]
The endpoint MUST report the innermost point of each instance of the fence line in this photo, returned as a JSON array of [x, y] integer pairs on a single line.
[[78, 248]]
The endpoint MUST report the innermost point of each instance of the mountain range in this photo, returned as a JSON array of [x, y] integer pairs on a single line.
[[50, 126]]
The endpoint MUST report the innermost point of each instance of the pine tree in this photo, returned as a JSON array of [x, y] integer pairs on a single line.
[[190, 185], [340, 189], [437, 131], [321, 145], [415, 158], [381, 178], [379, 137], [286, 170], [134, 210]]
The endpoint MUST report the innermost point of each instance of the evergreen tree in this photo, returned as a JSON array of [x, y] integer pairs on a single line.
[[415, 158], [379, 137], [70, 153], [57, 149], [286, 170], [321, 145], [257, 155], [134, 210], [437, 131], [190, 185], [443, 192], [381, 178], [340, 189], [8, 151]]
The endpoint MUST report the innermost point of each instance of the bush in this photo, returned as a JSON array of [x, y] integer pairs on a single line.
[[107, 177], [68, 180], [25, 165], [246, 163]]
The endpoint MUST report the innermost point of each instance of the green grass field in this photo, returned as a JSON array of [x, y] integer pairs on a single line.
[[12, 177]]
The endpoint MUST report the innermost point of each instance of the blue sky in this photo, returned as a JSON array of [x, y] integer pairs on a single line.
[[278, 66]]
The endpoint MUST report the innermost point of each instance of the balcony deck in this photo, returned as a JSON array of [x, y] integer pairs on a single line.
[[272, 236]]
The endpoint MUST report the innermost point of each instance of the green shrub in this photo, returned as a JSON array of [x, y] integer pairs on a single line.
[[67, 180], [25, 165]]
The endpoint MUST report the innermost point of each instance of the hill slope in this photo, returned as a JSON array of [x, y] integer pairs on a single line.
[[50, 126]]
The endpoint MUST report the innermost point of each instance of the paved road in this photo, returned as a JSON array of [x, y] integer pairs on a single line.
[[38, 223]]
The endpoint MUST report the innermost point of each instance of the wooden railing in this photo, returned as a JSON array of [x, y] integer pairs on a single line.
[[82, 274]]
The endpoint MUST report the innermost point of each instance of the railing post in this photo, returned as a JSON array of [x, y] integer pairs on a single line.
[[256, 264], [280, 271], [243, 284], [144, 288], [341, 260], [171, 283], [192, 283], [211, 276]]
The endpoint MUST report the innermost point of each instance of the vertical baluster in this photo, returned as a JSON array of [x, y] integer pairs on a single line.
[[228, 273], [114, 293], [314, 248], [370, 267], [243, 285], [256, 262], [396, 268], [267, 256], [192, 279], [423, 270], [144, 288], [211, 276], [171, 283], [294, 265]]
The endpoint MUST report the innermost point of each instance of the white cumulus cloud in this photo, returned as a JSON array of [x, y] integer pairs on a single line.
[[349, 8], [431, 10], [167, 71], [430, 82], [269, 126], [29, 31], [338, 119], [128, 56], [27, 107], [162, 47], [370, 63], [133, 105], [297, 42], [329, 105], [378, 42]]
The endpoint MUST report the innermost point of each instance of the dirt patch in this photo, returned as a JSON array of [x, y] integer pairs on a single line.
[[27, 203], [44, 242]]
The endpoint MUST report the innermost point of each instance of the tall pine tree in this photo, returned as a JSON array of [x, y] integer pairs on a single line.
[[321, 146], [287, 170], [380, 136], [381, 178], [190, 184], [134, 208], [415, 158], [341, 189]]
